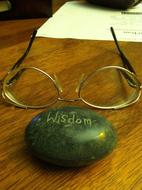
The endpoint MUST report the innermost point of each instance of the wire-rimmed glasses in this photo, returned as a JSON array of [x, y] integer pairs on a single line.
[[19, 81]]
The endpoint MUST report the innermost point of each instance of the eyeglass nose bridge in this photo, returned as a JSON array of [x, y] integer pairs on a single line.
[[68, 100], [58, 84]]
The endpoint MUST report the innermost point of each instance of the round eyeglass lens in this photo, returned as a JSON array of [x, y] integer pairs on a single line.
[[110, 87], [32, 87]]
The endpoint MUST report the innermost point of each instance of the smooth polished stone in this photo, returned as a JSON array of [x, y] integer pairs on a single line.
[[70, 136], [118, 4]]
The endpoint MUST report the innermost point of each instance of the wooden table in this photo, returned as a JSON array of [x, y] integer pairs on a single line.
[[68, 58]]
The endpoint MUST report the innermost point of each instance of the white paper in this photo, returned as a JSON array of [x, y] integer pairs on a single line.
[[80, 20]]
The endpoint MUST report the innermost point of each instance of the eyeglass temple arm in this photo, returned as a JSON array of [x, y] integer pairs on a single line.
[[125, 61], [19, 62]]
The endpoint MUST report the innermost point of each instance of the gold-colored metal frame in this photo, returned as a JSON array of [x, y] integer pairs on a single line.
[[127, 71], [132, 81]]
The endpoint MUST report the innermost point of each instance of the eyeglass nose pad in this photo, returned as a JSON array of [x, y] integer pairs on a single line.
[[58, 83], [79, 83]]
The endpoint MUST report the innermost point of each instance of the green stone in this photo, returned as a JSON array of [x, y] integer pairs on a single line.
[[70, 136], [118, 4]]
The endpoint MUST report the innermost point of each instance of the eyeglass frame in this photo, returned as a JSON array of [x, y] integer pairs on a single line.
[[16, 68]]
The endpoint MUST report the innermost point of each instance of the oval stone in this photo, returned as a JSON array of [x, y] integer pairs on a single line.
[[70, 136], [118, 4]]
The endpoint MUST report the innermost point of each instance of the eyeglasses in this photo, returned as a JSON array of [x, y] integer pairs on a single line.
[[109, 87]]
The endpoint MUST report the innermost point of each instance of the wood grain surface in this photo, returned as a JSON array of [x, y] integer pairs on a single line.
[[68, 58]]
